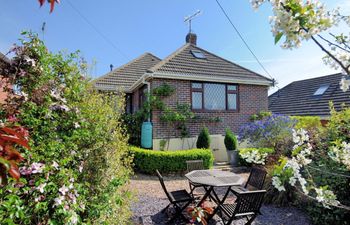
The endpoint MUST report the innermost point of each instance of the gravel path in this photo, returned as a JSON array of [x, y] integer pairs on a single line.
[[151, 200]]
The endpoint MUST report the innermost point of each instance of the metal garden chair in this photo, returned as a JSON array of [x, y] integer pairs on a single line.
[[178, 199], [247, 205], [194, 165]]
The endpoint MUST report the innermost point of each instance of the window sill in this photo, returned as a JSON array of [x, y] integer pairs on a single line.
[[214, 111]]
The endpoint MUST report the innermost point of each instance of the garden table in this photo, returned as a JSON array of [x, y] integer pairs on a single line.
[[214, 178]]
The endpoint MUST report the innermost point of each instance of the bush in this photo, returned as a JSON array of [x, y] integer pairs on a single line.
[[78, 165], [273, 131], [203, 140], [148, 161], [248, 156], [308, 123], [230, 140]]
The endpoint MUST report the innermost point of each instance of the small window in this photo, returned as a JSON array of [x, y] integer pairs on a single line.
[[196, 85], [231, 87], [198, 54], [322, 89], [197, 100]]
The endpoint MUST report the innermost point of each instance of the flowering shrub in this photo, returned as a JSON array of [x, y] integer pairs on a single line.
[[272, 132], [77, 166], [290, 171], [255, 155]]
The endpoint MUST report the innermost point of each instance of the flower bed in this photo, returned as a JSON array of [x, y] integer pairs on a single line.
[[254, 155], [147, 161]]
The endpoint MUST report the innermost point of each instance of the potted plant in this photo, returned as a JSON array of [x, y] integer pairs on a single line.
[[231, 147], [199, 215]]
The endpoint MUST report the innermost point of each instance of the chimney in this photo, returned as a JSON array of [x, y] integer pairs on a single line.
[[191, 38], [111, 66]]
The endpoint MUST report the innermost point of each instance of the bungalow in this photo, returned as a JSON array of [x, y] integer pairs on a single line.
[[212, 86], [310, 97]]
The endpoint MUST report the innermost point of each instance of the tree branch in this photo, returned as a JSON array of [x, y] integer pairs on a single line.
[[331, 43], [345, 68], [343, 42]]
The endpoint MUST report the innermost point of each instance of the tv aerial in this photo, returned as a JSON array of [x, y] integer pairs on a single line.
[[188, 19]]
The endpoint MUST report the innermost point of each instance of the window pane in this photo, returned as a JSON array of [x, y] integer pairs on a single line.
[[196, 100], [231, 87], [196, 85], [232, 101], [214, 96]]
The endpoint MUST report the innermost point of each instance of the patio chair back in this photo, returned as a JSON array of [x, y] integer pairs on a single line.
[[161, 180], [194, 165], [256, 178], [249, 202]]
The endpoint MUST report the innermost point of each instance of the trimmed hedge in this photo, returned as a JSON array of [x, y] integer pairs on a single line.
[[148, 161]]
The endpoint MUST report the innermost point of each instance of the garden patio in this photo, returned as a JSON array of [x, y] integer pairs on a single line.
[[151, 200]]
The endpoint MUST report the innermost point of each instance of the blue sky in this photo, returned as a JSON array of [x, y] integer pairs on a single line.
[[157, 26]]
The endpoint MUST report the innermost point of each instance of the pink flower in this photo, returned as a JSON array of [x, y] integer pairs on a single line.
[[37, 167]]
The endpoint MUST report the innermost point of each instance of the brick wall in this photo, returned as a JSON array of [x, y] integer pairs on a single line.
[[252, 98], [3, 94]]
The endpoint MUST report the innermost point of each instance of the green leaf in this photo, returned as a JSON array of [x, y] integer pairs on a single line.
[[278, 37]]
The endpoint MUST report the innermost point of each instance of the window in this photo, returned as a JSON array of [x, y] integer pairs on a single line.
[[198, 54], [212, 96], [322, 89]]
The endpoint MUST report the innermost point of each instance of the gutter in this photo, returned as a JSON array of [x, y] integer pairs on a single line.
[[148, 93]]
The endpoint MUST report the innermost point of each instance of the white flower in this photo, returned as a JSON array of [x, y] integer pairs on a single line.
[[76, 125], [59, 200], [344, 84], [63, 190], [276, 182], [326, 197], [73, 218], [55, 165], [41, 187]]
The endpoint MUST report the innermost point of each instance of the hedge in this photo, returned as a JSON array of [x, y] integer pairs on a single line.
[[147, 161]]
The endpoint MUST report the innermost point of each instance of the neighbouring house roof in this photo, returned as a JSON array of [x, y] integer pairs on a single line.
[[309, 97], [125, 76], [4, 59], [187, 63], [183, 64]]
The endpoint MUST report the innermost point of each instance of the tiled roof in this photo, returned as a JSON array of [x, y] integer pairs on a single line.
[[298, 97], [126, 75], [4, 59], [184, 62]]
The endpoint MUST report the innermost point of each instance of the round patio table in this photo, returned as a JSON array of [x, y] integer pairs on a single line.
[[214, 178]]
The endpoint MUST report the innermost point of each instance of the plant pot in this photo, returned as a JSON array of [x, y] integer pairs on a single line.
[[233, 157]]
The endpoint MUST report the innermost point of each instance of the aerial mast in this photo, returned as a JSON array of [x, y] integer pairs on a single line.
[[188, 19]]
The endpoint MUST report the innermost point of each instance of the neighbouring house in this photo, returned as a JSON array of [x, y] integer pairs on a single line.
[[310, 97], [3, 62], [214, 88]]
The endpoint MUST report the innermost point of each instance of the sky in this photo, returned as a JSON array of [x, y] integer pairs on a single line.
[[115, 32]]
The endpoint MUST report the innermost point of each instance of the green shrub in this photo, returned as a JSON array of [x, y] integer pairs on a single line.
[[230, 140], [259, 116], [307, 122], [147, 161], [203, 140], [78, 166]]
